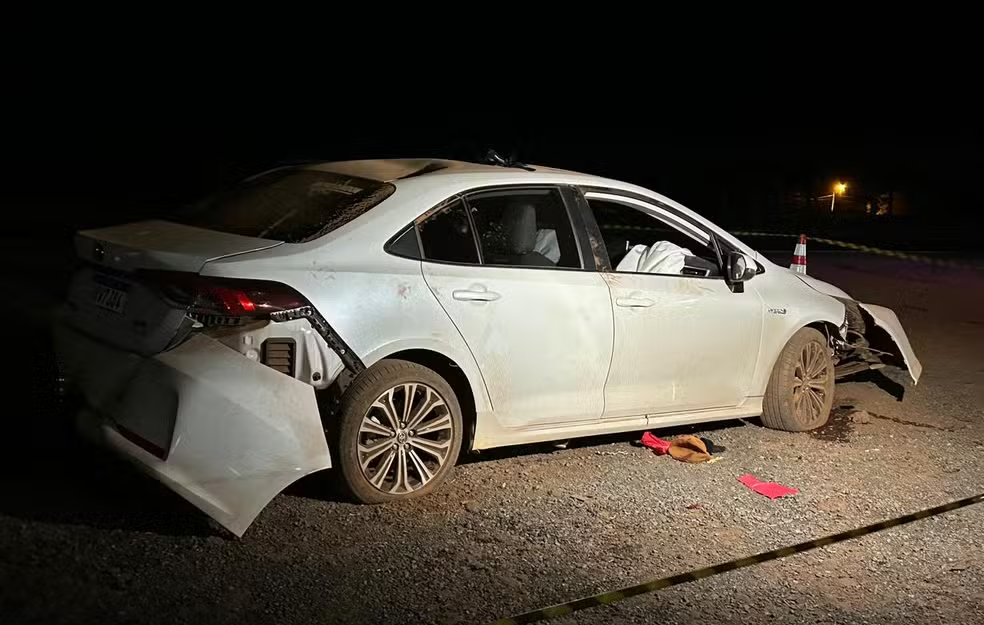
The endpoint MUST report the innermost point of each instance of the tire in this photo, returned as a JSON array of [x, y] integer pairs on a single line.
[[367, 426], [790, 405]]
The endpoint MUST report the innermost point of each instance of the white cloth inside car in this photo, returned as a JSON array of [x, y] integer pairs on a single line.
[[546, 244], [661, 257]]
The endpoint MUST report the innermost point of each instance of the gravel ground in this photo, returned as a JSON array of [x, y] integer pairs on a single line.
[[84, 539]]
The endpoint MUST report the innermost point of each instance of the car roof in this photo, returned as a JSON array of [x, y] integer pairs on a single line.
[[391, 170], [432, 179]]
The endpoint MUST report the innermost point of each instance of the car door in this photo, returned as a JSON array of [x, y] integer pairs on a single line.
[[683, 340], [510, 271]]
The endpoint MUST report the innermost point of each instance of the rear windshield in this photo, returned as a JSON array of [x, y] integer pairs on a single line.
[[291, 205]]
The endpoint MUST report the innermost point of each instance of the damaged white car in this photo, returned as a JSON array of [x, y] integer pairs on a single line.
[[376, 317]]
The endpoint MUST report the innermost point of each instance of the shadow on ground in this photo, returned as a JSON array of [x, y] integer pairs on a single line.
[[880, 380], [49, 474], [594, 441]]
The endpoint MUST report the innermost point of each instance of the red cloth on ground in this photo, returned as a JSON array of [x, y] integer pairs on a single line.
[[656, 444], [769, 489]]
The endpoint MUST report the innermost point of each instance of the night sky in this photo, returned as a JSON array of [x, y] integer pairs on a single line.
[[112, 159]]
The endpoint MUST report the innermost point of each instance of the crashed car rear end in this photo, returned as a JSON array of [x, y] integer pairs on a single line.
[[198, 379]]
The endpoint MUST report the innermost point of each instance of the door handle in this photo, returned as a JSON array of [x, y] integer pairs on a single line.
[[634, 302], [470, 295]]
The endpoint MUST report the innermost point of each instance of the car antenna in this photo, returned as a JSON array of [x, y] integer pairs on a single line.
[[494, 158]]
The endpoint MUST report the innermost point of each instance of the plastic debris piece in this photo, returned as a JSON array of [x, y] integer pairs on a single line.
[[769, 489]]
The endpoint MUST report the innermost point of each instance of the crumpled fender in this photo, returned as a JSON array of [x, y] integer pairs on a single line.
[[887, 320], [883, 317]]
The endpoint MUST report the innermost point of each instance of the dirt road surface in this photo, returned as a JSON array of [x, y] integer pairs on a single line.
[[83, 539]]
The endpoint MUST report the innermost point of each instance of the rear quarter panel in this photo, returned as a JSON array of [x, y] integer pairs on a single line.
[[378, 303]]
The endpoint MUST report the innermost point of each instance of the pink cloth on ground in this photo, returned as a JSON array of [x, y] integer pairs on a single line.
[[656, 444], [769, 489]]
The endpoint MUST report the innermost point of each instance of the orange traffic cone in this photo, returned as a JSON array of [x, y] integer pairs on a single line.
[[799, 256]]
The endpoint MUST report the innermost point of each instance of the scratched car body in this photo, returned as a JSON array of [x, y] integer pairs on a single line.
[[378, 317]]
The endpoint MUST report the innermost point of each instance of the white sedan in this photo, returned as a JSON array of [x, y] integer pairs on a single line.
[[379, 316]]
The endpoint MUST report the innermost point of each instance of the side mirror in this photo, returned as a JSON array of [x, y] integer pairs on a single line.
[[739, 269]]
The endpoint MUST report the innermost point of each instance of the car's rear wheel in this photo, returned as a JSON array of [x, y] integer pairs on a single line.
[[400, 432], [801, 390]]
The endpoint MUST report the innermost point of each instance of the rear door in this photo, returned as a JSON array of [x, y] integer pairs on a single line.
[[517, 281]]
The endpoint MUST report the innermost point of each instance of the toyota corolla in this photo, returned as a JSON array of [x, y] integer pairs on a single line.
[[378, 317]]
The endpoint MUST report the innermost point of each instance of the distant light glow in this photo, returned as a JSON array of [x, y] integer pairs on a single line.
[[840, 188]]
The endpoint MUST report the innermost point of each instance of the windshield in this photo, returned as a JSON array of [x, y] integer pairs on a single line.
[[292, 205]]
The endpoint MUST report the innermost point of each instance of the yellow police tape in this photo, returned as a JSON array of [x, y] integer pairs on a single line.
[[614, 596], [844, 244], [864, 248]]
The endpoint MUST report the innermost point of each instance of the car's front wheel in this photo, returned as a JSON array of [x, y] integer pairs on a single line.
[[801, 390], [400, 431]]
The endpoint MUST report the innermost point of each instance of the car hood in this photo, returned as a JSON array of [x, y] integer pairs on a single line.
[[819, 285]]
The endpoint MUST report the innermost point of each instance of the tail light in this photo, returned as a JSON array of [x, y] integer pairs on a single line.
[[225, 301]]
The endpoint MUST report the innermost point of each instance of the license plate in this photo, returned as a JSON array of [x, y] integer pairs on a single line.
[[111, 299]]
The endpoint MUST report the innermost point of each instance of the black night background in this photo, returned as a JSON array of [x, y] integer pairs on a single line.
[[912, 180], [83, 538]]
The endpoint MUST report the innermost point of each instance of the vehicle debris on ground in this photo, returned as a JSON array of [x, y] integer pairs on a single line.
[[772, 490]]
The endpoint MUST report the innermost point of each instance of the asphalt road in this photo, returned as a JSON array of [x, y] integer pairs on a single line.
[[83, 539]]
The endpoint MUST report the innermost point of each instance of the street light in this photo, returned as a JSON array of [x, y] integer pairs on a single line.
[[840, 188]]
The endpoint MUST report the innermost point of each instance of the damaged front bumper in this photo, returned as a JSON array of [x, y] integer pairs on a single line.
[[223, 431], [872, 336], [887, 320]]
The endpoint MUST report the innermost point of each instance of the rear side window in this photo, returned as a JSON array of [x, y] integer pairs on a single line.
[[510, 227], [292, 205], [447, 236], [524, 228]]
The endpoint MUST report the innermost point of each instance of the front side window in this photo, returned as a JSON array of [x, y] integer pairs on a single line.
[[640, 242]]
